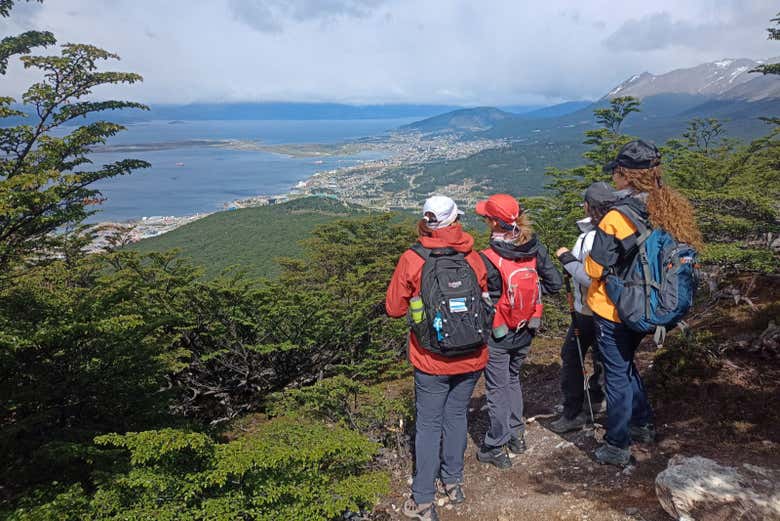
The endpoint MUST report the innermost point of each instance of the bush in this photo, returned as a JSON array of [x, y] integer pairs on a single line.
[[370, 410], [737, 257], [288, 469], [685, 357]]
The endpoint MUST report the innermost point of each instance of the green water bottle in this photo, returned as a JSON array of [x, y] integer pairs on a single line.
[[417, 309], [500, 331]]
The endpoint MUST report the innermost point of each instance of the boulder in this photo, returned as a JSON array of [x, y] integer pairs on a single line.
[[702, 490], [769, 341]]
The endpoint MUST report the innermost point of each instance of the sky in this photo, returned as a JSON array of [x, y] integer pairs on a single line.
[[481, 52]]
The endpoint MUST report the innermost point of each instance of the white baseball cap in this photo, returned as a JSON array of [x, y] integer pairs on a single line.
[[444, 210]]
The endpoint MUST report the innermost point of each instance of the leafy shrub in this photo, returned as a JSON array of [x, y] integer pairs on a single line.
[[371, 410], [289, 469], [735, 256], [684, 357], [84, 350]]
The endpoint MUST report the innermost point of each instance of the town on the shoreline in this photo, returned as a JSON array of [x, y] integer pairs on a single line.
[[361, 184]]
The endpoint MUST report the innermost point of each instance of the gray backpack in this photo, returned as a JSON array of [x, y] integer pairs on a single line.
[[457, 316]]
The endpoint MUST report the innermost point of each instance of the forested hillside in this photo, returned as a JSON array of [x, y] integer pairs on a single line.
[[251, 239], [134, 388]]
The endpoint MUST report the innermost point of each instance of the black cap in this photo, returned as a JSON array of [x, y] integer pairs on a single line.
[[600, 195], [636, 155]]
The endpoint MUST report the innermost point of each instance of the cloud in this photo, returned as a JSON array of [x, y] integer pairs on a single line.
[[24, 12], [659, 31], [467, 52], [271, 15]]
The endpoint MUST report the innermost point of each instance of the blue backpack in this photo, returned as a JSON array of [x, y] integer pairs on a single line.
[[656, 290]]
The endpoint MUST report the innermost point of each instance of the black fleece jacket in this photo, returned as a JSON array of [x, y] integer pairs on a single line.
[[549, 278]]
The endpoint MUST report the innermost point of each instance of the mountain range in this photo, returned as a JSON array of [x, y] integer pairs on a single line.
[[723, 79], [724, 89]]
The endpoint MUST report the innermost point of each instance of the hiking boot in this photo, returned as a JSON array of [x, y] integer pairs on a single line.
[[516, 445], [610, 455], [642, 433], [564, 424], [455, 493], [495, 456], [424, 512]]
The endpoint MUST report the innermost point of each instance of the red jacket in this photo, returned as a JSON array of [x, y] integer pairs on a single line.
[[405, 284]]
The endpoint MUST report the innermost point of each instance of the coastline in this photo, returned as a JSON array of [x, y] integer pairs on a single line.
[[145, 227], [361, 183]]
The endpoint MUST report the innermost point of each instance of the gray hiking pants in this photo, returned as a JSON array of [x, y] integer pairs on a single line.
[[441, 402], [504, 394]]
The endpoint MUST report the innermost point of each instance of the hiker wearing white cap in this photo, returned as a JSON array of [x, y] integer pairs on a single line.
[[440, 211], [440, 284]]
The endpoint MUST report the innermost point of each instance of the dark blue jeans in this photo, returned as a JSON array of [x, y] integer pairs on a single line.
[[442, 402], [626, 398]]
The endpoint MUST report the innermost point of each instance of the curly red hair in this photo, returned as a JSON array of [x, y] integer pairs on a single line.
[[668, 208]]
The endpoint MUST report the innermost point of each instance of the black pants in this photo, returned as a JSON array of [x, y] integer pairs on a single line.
[[572, 374]]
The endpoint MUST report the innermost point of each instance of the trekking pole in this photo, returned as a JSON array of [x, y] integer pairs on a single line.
[[586, 383]]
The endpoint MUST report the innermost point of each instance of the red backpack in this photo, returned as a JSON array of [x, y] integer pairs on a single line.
[[521, 297]]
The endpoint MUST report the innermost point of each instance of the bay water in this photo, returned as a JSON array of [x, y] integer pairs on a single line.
[[193, 178]]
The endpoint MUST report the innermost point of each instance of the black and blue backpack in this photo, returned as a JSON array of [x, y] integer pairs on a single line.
[[458, 316], [656, 286]]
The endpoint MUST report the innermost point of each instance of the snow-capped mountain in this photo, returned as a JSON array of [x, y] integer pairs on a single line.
[[723, 79]]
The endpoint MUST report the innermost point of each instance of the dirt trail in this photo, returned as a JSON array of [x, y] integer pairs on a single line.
[[729, 415], [555, 479]]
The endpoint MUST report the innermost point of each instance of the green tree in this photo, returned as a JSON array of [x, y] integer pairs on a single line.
[[45, 180], [115, 341], [71, 362], [612, 117], [774, 34], [555, 214], [733, 187], [18, 44]]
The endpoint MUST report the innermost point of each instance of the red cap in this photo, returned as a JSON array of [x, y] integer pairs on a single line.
[[500, 206]]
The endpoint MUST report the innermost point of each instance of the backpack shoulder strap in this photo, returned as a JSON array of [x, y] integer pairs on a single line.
[[421, 250], [643, 230], [427, 253], [491, 255]]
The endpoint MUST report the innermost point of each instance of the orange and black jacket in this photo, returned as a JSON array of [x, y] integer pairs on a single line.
[[612, 250]]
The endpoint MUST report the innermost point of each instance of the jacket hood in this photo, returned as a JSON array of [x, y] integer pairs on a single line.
[[512, 251], [452, 236], [585, 225], [637, 203]]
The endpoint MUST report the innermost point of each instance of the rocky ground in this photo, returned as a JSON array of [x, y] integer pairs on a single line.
[[721, 405]]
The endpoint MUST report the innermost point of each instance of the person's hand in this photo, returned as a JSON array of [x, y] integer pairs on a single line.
[[561, 251], [534, 324]]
